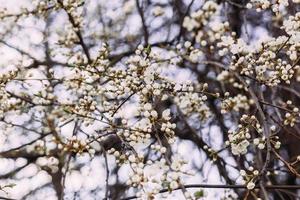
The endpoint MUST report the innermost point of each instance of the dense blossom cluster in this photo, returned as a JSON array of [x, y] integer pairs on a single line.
[[134, 109], [276, 6]]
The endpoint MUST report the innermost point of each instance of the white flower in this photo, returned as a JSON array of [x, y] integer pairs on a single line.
[[154, 114], [75, 145], [273, 128], [240, 148], [227, 41], [210, 5], [174, 185], [189, 23], [187, 44], [147, 114], [131, 158], [243, 173], [136, 178], [261, 146], [256, 141], [128, 6], [157, 11], [239, 47], [163, 150], [277, 145], [149, 75], [250, 185], [166, 114], [147, 106], [293, 55]]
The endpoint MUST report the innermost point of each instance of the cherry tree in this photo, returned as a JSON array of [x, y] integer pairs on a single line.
[[149, 99]]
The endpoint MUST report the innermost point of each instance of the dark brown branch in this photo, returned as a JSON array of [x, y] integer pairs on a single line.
[[181, 31], [77, 31], [145, 29]]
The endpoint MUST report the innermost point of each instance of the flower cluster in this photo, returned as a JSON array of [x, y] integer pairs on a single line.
[[48, 163], [275, 5], [249, 177], [201, 17], [229, 195], [239, 138], [204, 25], [137, 108], [153, 175], [261, 61], [235, 103], [291, 118], [75, 145], [7, 103]]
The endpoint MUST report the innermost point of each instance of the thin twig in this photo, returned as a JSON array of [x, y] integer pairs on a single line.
[[145, 29]]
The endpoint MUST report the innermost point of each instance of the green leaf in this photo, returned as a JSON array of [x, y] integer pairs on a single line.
[[148, 49], [199, 194], [10, 185]]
